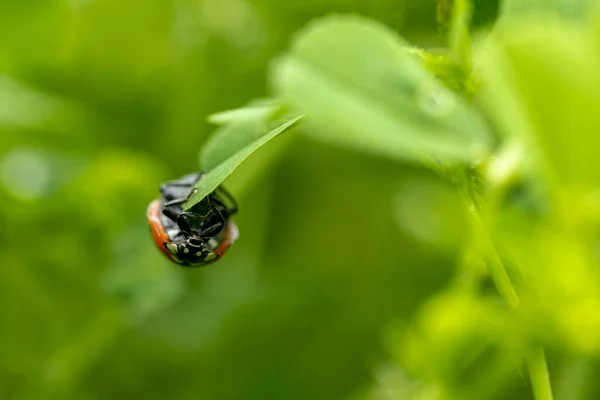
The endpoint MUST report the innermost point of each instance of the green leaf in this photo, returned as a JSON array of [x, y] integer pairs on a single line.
[[261, 109], [228, 139], [211, 180], [446, 70], [361, 89], [240, 127], [563, 8], [541, 86]]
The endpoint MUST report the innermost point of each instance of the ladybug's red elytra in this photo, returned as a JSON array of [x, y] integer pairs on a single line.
[[198, 236]]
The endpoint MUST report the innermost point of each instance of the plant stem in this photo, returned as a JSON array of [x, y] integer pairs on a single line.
[[538, 374], [494, 263], [536, 359]]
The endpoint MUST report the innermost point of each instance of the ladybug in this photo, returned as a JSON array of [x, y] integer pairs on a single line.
[[198, 236]]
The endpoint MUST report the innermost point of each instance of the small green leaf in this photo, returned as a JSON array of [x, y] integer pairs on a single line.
[[228, 139], [261, 109], [240, 127], [361, 89], [211, 180]]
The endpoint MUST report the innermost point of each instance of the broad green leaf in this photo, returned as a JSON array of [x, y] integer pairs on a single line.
[[541, 84], [211, 180], [361, 89]]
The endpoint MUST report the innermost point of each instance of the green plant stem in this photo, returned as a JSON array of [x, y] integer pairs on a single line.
[[494, 263], [536, 359], [538, 374]]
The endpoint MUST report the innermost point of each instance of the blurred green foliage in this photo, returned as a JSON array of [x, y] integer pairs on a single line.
[[428, 232]]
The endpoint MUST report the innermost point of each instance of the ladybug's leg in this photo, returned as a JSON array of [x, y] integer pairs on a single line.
[[175, 202], [170, 208], [171, 214], [180, 200], [189, 222], [186, 181], [184, 219], [218, 207], [231, 199], [215, 228], [179, 188], [192, 223]]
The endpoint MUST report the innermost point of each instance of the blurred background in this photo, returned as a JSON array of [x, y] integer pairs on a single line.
[[100, 102]]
